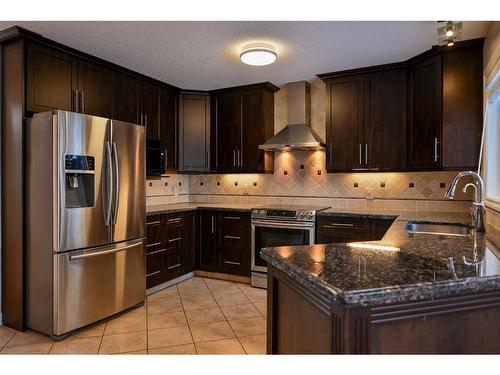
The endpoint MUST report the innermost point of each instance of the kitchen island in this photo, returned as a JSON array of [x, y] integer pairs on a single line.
[[407, 293]]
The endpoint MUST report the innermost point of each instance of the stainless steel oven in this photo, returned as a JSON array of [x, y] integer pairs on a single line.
[[283, 226]]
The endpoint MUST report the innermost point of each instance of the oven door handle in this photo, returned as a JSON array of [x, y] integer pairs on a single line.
[[271, 224]]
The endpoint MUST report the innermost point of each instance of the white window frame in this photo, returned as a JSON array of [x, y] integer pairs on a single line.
[[493, 96]]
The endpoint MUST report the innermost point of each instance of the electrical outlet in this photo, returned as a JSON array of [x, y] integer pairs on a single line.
[[369, 193], [245, 189]]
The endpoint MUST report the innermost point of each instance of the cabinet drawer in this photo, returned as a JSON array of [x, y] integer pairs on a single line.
[[342, 229], [234, 225]]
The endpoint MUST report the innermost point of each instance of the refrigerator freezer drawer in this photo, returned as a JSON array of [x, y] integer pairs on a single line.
[[93, 284]]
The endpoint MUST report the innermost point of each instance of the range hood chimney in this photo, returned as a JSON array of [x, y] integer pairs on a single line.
[[298, 134]]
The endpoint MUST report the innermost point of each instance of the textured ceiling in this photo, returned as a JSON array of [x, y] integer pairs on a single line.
[[205, 55]]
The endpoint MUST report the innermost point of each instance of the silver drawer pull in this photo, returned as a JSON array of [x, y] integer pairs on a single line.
[[176, 220], [339, 225], [175, 239], [154, 244], [156, 252], [232, 217], [174, 266], [233, 237], [152, 274], [153, 223], [232, 263]]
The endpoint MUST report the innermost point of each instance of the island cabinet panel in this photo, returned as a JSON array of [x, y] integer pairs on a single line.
[[224, 242], [341, 229], [169, 247]]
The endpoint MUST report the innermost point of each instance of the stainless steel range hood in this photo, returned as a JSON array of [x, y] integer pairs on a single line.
[[298, 134]]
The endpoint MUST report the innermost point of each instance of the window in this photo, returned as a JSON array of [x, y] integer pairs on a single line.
[[492, 144]]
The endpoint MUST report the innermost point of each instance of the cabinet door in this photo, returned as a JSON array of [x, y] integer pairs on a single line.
[[155, 251], [169, 128], [249, 157], [149, 107], [425, 114], [187, 248], [228, 115], [51, 79], [462, 107], [208, 238], [332, 229], [126, 99], [235, 243], [194, 132], [384, 126], [344, 121], [96, 85]]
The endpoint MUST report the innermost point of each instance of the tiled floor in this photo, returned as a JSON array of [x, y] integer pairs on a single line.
[[197, 316]]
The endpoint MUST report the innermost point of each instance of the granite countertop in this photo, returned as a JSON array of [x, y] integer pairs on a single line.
[[178, 207], [401, 267]]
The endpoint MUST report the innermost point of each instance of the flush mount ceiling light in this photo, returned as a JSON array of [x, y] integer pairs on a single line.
[[258, 54]]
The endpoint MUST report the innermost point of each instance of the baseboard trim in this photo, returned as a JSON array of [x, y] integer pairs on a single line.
[[169, 283]]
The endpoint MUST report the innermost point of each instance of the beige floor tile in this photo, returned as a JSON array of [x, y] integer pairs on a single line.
[[256, 295], [128, 323], [160, 338], [180, 349], [164, 307], [37, 348], [240, 311], [29, 337], [211, 331], [248, 327], [195, 292], [123, 343], [205, 316], [231, 299], [197, 303], [192, 282], [226, 346], [165, 295], [138, 352], [6, 333], [166, 320], [254, 344], [220, 285], [92, 331], [262, 307], [86, 345]]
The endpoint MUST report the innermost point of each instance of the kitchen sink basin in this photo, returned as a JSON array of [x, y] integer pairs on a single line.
[[442, 229]]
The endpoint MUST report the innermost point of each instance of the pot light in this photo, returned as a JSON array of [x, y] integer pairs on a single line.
[[258, 54], [450, 42]]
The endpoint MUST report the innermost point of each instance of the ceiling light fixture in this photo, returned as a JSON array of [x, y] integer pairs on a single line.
[[449, 32], [258, 54]]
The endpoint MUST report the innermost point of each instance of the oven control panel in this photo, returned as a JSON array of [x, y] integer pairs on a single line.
[[283, 215]]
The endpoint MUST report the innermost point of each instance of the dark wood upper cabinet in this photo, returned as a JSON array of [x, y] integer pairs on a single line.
[[462, 107], [384, 119], [194, 132], [169, 127], [344, 123], [50, 79], [96, 85], [424, 141], [126, 106], [149, 109], [244, 119], [366, 121]]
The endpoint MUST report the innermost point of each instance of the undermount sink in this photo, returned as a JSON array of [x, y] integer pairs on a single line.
[[443, 229]]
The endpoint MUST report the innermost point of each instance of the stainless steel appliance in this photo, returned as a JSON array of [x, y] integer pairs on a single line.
[[279, 226], [86, 217], [156, 163]]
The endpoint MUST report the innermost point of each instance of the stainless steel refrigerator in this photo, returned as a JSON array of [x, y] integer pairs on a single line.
[[86, 216]]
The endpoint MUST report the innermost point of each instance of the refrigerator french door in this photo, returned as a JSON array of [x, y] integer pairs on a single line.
[[86, 217]]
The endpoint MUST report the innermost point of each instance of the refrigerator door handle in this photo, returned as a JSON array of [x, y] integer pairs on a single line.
[[104, 252], [117, 183], [109, 183]]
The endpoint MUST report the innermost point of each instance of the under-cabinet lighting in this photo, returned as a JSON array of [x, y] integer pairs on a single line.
[[368, 246]]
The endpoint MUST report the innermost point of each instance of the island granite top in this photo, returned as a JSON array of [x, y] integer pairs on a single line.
[[401, 267], [189, 206]]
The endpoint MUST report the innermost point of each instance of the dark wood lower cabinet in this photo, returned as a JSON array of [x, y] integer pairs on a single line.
[[300, 321], [169, 247], [341, 229]]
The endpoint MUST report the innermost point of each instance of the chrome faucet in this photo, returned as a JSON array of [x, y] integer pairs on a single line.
[[477, 210]]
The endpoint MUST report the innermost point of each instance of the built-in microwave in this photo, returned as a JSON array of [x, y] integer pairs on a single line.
[[156, 162]]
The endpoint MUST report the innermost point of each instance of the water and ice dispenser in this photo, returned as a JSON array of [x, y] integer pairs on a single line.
[[79, 173]]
